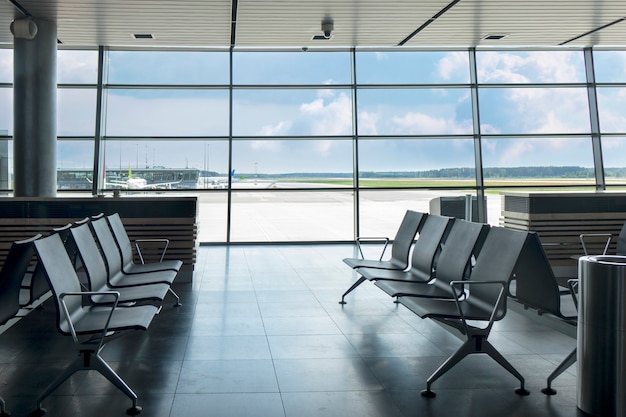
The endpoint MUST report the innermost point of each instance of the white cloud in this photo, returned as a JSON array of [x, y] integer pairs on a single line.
[[279, 129], [452, 63], [423, 124]]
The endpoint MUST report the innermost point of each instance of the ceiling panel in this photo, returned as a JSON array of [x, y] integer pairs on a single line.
[[293, 23]]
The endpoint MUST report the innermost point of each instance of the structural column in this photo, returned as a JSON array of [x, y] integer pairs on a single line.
[[34, 108]]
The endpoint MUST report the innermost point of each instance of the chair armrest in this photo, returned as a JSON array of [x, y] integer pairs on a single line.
[[114, 294], [165, 246], [583, 236], [573, 288], [384, 240], [458, 295]]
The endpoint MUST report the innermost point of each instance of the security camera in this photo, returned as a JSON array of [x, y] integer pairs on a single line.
[[327, 28]]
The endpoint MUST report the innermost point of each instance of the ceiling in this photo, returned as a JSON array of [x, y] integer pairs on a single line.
[[357, 23]]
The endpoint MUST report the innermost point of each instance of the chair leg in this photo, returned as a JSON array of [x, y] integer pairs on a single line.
[[465, 349], [356, 284], [90, 360], [497, 356], [566, 363], [98, 364], [475, 344], [171, 291]]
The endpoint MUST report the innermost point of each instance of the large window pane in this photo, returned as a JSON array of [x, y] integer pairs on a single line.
[[74, 164], [609, 66], [613, 151], [522, 67], [6, 115], [391, 163], [537, 162], [381, 211], [168, 67], [6, 164], [6, 65], [153, 112], [294, 163], [412, 67], [414, 111], [611, 104], [77, 67], [291, 68], [534, 110], [291, 216], [168, 164], [212, 216], [76, 112], [298, 112]]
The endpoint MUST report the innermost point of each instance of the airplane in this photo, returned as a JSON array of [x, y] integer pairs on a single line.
[[137, 183]]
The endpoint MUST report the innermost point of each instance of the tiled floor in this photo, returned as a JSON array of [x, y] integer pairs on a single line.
[[261, 334]]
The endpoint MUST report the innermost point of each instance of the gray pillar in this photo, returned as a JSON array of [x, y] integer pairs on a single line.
[[34, 112]]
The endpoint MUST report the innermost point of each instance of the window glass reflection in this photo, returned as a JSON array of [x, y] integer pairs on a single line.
[[77, 67], [534, 110], [521, 67], [297, 112], [6, 65], [538, 162], [412, 67], [317, 163], [151, 112], [414, 111], [168, 67], [76, 112], [291, 68], [611, 104], [399, 163]]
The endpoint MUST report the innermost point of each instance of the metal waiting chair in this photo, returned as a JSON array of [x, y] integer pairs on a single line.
[[12, 273], [424, 257], [462, 244], [536, 287], [478, 302], [400, 247], [117, 276], [91, 327], [125, 248], [425, 250], [98, 277]]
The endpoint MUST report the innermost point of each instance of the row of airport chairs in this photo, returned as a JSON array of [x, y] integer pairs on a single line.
[[458, 272], [99, 292]]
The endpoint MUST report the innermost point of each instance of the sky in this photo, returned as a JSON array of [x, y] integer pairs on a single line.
[[438, 108]]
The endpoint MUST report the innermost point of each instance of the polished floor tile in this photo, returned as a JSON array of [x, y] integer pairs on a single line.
[[261, 334]]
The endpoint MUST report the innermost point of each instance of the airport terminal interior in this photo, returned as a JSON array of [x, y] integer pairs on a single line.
[[264, 138]]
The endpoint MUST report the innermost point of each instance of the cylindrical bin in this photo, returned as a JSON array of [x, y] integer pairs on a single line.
[[601, 386]]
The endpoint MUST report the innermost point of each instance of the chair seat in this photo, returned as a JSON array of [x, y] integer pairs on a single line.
[[125, 280], [394, 275], [445, 309], [170, 264], [416, 289], [93, 319], [371, 263], [153, 292]]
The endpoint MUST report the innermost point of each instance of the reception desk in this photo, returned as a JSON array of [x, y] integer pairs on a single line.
[[145, 217], [560, 217]]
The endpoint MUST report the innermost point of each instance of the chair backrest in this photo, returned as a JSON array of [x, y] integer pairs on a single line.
[[90, 256], [108, 245], [428, 245], [463, 242], [15, 266], [535, 283], [496, 261], [405, 236], [124, 245], [61, 276]]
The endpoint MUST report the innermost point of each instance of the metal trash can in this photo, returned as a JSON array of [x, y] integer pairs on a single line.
[[601, 385]]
